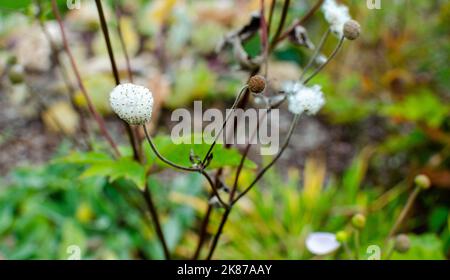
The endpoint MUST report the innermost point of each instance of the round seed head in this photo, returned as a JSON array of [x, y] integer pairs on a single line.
[[359, 221], [422, 181], [352, 29], [257, 84], [402, 243], [342, 236], [132, 103]]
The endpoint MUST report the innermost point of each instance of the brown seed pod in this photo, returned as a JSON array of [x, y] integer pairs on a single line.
[[257, 84], [402, 243], [352, 29]]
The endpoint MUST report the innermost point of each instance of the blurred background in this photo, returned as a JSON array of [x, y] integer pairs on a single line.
[[385, 121]]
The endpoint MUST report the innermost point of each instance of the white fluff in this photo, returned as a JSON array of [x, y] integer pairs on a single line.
[[304, 99], [132, 103], [336, 15], [322, 243]]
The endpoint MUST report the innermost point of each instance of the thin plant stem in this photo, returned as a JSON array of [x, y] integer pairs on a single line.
[[64, 75], [347, 250], [122, 41], [91, 107], [241, 104], [405, 211], [357, 243], [219, 233], [333, 54], [131, 133], [189, 169], [162, 158], [259, 176], [280, 24], [234, 188], [271, 10], [104, 28], [244, 155], [302, 21], [206, 218], [236, 102], [389, 253], [316, 53], [154, 214], [264, 37], [203, 231], [268, 166]]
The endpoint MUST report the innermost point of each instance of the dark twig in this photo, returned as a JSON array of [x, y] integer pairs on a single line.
[[203, 232], [104, 27], [281, 24], [65, 78], [154, 214], [271, 10], [131, 133], [302, 21], [122, 41], [264, 36], [405, 211], [258, 177], [219, 232], [91, 107], [236, 102]]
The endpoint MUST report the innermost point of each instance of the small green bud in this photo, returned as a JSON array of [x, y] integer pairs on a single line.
[[16, 74], [359, 221], [422, 181], [402, 243], [342, 236]]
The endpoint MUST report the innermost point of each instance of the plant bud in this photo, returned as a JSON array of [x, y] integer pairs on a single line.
[[359, 221], [257, 84], [352, 29], [342, 236], [402, 243], [422, 181]]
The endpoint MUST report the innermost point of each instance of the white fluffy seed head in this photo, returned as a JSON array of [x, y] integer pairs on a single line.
[[304, 99], [336, 15], [132, 103]]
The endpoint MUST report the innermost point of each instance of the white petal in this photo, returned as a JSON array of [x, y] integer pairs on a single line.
[[321, 243], [304, 99]]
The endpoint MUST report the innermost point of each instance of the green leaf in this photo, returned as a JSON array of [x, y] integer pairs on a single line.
[[16, 5], [84, 158], [103, 165], [421, 107], [179, 153], [122, 168]]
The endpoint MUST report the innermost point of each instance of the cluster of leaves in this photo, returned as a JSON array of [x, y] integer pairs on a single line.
[[46, 210]]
